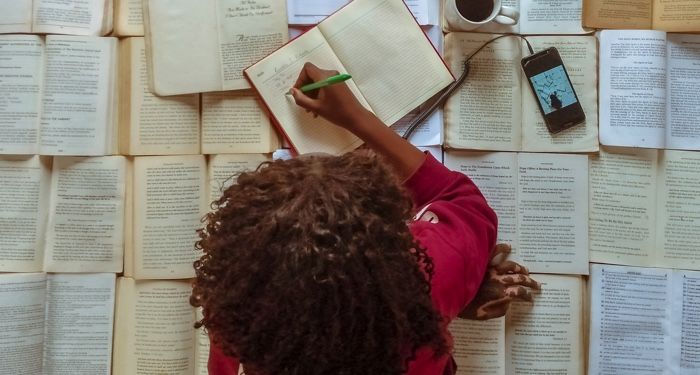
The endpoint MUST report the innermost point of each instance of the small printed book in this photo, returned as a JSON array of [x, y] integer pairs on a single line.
[[72, 17], [367, 39]]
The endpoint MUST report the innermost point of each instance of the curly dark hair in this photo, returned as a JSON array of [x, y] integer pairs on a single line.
[[309, 268]]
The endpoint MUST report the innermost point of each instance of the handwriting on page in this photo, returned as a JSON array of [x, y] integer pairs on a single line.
[[249, 8]]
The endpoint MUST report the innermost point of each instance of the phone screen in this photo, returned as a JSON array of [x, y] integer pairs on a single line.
[[553, 89]]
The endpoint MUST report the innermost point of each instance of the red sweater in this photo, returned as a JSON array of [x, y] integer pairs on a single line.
[[457, 228]]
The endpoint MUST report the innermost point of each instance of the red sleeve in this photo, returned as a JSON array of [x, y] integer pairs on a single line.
[[457, 227], [219, 363]]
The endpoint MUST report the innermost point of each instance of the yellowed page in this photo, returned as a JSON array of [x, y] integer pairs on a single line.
[[85, 231], [75, 17], [622, 217], [16, 16], [79, 94], [676, 15], [485, 113], [128, 17], [157, 125], [23, 200], [79, 323], [169, 200], [479, 346], [617, 14], [580, 56], [21, 73], [678, 209], [22, 300], [546, 337], [276, 74], [183, 46], [553, 213], [390, 58], [496, 175], [248, 31], [223, 170], [129, 220], [234, 122], [154, 331], [201, 348]]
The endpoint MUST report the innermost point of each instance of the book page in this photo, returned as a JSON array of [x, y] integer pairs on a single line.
[[622, 195], [479, 346], [678, 209], [496, 175], [632, 88], [128, 17], [155, 125], [370, 38], [549, 17], [683, 80], [223, 170], [553, 213], [169, 200], [676, 15], [311, 12], [201, 349], [580, 57], [16, 16], [248, 31], [85, 231], [546, 337], [76, 17], [274, 75], [154, 332], [182, 44], [485, 113], [630, 313], [235, 122], [21, 73], [23, 200], [616, 14], [22, 309], [78, 92], [685, 319], [79, 317]]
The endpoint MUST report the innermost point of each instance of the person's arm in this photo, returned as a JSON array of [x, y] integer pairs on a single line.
[[337, 104]]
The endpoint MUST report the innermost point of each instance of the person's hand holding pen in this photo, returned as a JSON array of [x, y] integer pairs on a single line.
[[334, 102], [337, 104]]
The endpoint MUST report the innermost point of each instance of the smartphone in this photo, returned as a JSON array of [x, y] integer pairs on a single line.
[[552, 87]]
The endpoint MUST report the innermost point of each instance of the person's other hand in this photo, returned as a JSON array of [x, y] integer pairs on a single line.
[[336, 103], [505, 282]]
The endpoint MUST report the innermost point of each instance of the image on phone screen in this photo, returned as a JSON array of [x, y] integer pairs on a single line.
[[553, 89]]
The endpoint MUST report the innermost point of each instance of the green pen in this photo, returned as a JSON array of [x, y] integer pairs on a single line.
[[326, 82]]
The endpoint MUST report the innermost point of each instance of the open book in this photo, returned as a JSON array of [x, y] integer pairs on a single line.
[[167, 197], [649, 89], [536, 17], [643, 320], [154, 332], [204, 45], [76, 17], [367, 39], [669, 15], [495, 108], [56, 324], [60, 95], [541, 201], [547, 337], [644, 208], [68, 217]]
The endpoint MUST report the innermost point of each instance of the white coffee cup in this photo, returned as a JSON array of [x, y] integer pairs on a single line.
[[504, 15]]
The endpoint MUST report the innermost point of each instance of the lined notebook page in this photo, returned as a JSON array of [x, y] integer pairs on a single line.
[[276, 74], [388, 55]]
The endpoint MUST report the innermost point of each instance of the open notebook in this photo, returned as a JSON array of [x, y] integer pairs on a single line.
[[393, 65]]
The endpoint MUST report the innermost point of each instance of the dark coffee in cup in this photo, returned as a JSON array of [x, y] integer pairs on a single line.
[[475, 10]]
